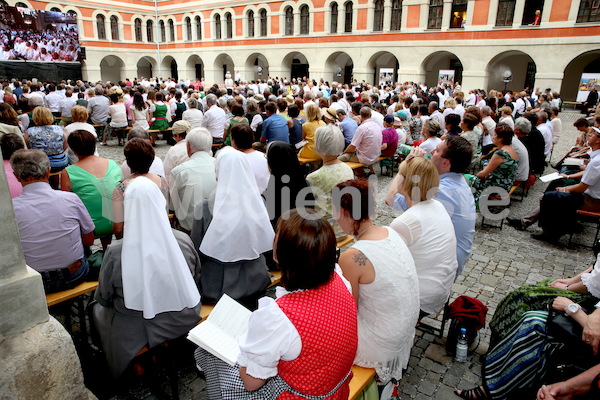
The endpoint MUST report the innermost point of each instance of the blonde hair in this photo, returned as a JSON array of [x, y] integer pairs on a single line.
[[313, 113], [421, 179], [79, 114], [450, 103], [42, 116]]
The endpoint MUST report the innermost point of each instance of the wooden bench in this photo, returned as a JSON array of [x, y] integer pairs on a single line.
[[575, 104], [303, 160], [344, 242], [588, 216], [362, 377], [355, 165]]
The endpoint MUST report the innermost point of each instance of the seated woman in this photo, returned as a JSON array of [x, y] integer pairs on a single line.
[[432, 245], [147, 290], [467, 125], [303, 343], [9, 143], [47, 137], [501, 170], [329, 143], [93, 179], [586, 383], [79, 117], [384, 282], [431, 133], [139, 156], [313, 121], [515, 366], [287, 188], [452, 124], [239, 233]]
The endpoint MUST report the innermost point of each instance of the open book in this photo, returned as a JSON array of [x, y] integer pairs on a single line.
[[573, 161], [220, 332], [550, 177]]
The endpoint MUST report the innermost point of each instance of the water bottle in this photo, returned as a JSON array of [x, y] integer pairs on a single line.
[[462, 346]]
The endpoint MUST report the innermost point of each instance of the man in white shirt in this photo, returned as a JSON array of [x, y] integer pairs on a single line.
[[215, 119], [471, 99], [519, 105], [178, 153], [194, 181], [53, 100], [546, 132]]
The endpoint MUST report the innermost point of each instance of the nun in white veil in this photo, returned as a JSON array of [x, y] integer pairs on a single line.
[[147, 289], [240, 232]]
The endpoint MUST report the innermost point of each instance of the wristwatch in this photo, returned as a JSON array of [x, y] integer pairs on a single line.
[[573, 309]]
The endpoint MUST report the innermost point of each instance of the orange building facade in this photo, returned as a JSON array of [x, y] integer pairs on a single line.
[[539, 43]]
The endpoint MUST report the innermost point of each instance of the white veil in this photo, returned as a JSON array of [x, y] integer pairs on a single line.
[[156, 277], [240, 228]]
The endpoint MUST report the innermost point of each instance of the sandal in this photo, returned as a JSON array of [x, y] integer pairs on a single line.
[[477, 393]]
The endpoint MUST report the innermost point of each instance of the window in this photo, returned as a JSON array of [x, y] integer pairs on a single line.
[[150, 31], [396, 18], [348, 17], [100, 26], [304, 20], [188, 28], [171, 30], [250, 23], [506, 12], [72, 13], [378, 16], [163, 33], [229, 23], [217, 26], [289, 21], [114, 27], [55, 9], [459, 14], [263, 22], [436, 9], [532, 12], [334, 18], [137, 24], [198, 21], [589, 11]]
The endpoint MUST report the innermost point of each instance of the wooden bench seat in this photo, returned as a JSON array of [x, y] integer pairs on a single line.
[[355, 165], [362, 377], [59, 297], [588, 216], [346, 241], [303, 160]]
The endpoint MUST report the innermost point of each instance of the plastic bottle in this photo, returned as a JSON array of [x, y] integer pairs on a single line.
[[462, 346]]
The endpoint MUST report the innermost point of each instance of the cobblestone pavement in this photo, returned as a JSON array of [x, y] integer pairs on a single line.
[[502, 260]]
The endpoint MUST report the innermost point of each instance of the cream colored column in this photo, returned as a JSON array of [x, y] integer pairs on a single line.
[[387, 15], [424, 14], [470, 11], [547, 9], [519, 10], [446, 14], [296, 22], [493, 12]]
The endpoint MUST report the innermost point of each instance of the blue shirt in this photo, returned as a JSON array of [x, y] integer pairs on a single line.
[[455, 195], [276, 128], [348, 127]]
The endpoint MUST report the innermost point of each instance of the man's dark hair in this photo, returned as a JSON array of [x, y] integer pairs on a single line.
[[243, 136], [459, 152], [271, 107], [9, 143], [293, 111]]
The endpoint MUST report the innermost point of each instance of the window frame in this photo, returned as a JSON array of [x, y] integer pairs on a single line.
[[137, 30], [264, 22], [304, 20], [504, 11], [250, 23], [163, 31], [150, 30], [198, 22], [218, 27], [101, 26], [228, 25], [333, 15], [114, 27], [396, 16], [348, 16], [289, 21], [587, 10], [435, 21]]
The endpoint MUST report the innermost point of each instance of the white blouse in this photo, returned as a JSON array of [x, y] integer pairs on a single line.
[[429, 234], [271, 337], [591, 280]]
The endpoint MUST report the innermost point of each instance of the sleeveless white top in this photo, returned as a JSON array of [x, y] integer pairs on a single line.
[[388, 308]]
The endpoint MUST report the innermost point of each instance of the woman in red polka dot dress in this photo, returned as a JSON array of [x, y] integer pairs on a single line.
[[303, 344]]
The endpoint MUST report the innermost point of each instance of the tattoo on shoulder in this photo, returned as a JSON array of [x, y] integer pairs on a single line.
[[360, 259]]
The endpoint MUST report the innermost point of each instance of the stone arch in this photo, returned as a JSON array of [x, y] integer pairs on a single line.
[[223, 63], [195, 67], [169, 68], [379, 65], [433, 63], [295, 65], [521, 67], [257, 67], [111, 68], [146, 67], [588, 62], [339, 67]]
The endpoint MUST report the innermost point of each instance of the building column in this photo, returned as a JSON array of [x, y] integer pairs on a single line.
[[342, 19], [404, 17], [410, 75], [447, 14], [424, 15], [519, 10], [360, 74], [470, 11], [552, 80], [493, 13], [387, 15], [370, 16], [473, 80], [296, 22]]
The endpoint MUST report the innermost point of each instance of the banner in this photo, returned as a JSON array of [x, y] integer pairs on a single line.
[[386, 75], [587, 81], [445, 76], [35, 35]]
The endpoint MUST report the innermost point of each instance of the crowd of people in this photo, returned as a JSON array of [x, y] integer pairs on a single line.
[[254, 206]]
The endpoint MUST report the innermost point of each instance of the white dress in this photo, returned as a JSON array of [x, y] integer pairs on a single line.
[[429, 234], [388, 308], [141, 117]]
